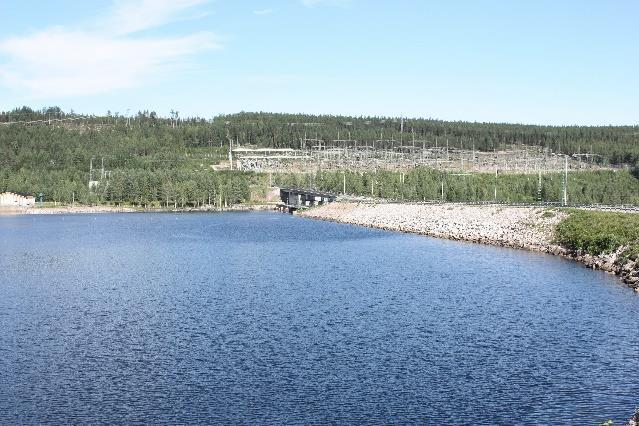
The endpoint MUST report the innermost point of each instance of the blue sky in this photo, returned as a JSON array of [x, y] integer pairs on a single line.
[[555, 62]]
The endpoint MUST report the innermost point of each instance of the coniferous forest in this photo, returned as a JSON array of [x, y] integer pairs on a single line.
[[150, 160]]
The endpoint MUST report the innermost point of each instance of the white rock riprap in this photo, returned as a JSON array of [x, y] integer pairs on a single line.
[[520, 227]]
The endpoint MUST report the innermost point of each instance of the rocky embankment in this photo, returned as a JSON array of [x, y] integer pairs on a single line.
[[615, 263], [527, 228]]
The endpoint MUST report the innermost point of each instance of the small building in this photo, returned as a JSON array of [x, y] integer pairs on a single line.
[[16, 199], [298, 198]]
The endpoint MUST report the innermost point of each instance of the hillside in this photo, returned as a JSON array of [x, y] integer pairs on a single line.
[[147, 159]]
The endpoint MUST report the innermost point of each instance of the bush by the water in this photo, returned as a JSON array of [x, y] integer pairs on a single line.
[[599, 232]]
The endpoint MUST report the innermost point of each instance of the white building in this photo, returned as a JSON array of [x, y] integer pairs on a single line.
[[16, 199]]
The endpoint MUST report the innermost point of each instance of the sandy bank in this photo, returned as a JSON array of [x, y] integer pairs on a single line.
[[65, 210], [529, 228], [78, 209]]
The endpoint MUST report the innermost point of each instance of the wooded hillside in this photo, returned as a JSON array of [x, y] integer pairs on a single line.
[[168, 160]]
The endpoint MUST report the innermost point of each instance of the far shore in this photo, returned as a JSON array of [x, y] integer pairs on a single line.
[[85, 209]]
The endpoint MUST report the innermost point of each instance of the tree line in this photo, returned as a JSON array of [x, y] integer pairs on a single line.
[[607, 144], [150, 159], [424, 184], [144, 161], [144, 188]]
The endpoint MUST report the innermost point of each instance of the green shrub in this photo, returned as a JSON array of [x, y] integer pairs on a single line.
[[599, 232]]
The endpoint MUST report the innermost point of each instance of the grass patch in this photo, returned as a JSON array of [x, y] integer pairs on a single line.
[[599, 232]]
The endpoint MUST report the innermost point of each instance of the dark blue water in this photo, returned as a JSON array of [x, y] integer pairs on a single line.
[[261, 318]]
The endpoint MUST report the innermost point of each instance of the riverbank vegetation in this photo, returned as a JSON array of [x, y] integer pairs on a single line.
[[599, 232], [139, 187]]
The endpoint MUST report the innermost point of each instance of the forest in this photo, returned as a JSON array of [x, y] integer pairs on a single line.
[[145, 159], [423, 184], [142, 161], [608, 144]]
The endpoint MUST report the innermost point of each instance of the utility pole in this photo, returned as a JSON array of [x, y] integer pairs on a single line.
[[539, 187], [565, 201], [495, 194], [402, 187], [473, 151], [230, 153], [344, 187], [413, 132]]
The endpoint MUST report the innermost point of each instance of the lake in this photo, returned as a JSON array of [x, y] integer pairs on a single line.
[[265, 318]]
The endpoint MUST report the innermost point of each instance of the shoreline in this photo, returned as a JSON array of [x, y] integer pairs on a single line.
[[524, 228], [82, 209], [527, 228]]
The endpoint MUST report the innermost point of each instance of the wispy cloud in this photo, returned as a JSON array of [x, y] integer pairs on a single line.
[[128, 17], [313, 3], [263, 12], [72, 61]]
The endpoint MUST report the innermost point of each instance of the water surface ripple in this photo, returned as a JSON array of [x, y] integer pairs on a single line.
[[261, 318]]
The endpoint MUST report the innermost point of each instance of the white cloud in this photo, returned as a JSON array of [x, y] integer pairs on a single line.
[[339, 3], [263, 12], [132, 16], [68, 62]]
